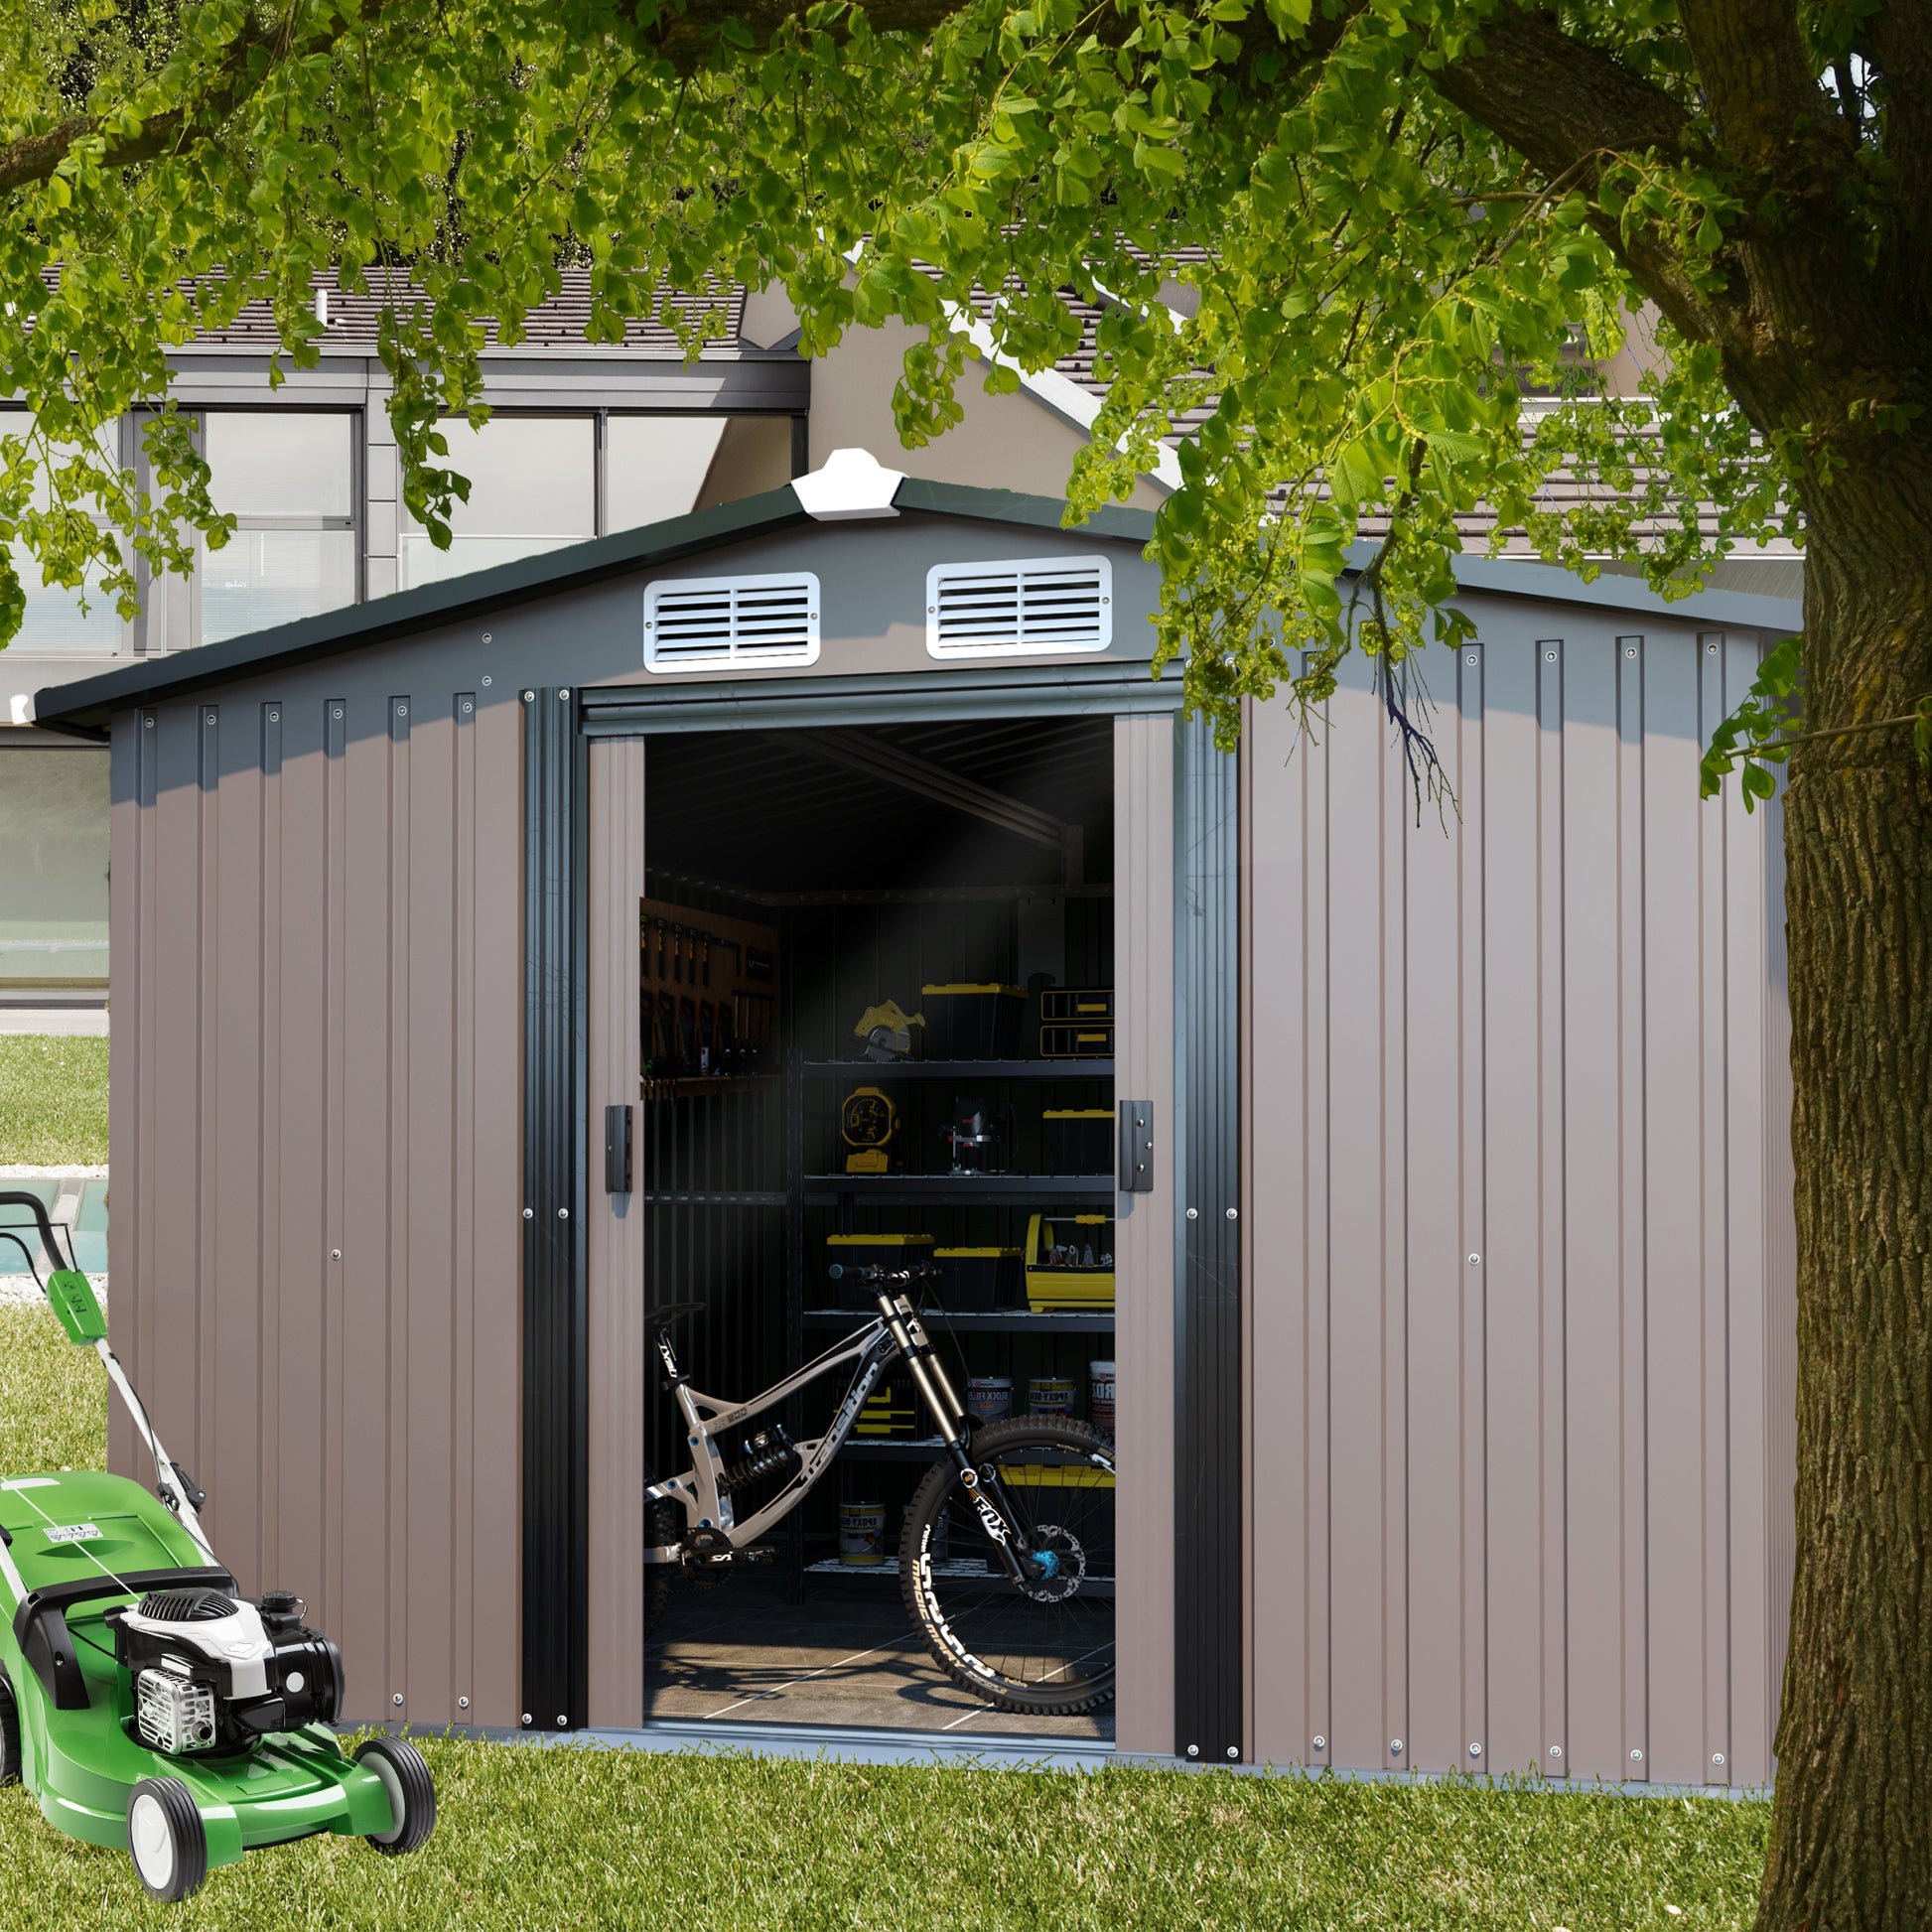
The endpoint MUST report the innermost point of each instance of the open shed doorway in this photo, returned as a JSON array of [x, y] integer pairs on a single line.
[[802, 884]]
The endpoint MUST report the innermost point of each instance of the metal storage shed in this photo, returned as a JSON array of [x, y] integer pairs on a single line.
[[1454, 1334]]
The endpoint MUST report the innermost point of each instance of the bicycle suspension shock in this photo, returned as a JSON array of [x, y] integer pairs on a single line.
[[765, 1453]]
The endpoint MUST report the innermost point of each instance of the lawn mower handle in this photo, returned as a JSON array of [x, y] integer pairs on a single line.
[[38, 1208]]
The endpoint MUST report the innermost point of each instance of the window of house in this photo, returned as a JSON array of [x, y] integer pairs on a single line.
[[288, 477], [656, 466], [533, 488], [53, 866], [56, 619]]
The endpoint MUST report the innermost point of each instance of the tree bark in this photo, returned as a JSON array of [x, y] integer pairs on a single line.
[[1850, 1837]]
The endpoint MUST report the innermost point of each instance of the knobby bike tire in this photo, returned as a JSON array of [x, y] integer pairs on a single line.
[[956, 1606]]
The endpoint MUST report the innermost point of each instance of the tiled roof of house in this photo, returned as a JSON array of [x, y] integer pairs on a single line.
[[556, 323]]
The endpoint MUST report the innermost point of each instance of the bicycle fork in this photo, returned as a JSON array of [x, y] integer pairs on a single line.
[[996, 1513]]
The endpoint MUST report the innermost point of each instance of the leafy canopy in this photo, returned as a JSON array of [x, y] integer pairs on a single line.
[[1401, 218]]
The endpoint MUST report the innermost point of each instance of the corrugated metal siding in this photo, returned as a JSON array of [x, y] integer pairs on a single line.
[[1508, 1221], [1144, 1341], [316, 1050]]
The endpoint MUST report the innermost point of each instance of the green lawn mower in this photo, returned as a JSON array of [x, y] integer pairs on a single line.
[[143, 1700]]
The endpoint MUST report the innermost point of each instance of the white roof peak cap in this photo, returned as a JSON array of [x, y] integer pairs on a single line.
[[849, 484]]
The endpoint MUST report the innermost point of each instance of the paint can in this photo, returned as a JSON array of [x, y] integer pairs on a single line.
[[990, 1397], [862, 1533], [1100, 1396], [1050, 1394]]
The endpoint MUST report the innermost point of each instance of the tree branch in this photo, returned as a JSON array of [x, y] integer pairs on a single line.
[[235, 79]]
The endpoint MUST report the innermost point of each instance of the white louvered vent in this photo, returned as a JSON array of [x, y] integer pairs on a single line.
[[1030, 607], [708, 623]]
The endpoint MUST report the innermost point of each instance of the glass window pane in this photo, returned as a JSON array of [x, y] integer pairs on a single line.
[[655, 466], [422, 563], [55, 620], [268, 576], [279, 462], [53, 865], [530, 476]]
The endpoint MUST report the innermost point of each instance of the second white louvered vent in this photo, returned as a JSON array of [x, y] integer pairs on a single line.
[[1030, 606], [708, 623]]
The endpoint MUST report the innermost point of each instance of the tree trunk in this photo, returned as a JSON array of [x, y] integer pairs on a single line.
[[1851, 1820]]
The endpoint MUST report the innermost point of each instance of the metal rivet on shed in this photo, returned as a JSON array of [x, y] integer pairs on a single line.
[[529, 697], [1631, 652], [1548, 657], [1234, 1750], [1717, 1758], [1556, 1750], [563, 1215], [1471, 659], [1106, 600], [149, 720], [1636, 1757], [527, 1717], [561, 1721], [1476, 1261], [485, 640], [1234, 1213], [1193, 1750], [211, 717], [1194, 1213], [334, 1253], [402, 711], [274, 717], [529, 1214], [1475, 1750], [397, 1700], [932, 610], [339, 711], [467, 707], [1711, 650], [1394, 1746], [463, 1704], [1320, 1743], [565, 692]]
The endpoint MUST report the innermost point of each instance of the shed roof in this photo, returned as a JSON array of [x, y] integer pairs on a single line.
[[86, 705]]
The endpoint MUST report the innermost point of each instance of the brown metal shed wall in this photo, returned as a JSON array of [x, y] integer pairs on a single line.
[[618, 1360], [1514, 1221], [1144, 1341], [315, 1052]]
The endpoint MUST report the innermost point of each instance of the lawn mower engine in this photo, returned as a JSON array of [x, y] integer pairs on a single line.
[[217, 1673]]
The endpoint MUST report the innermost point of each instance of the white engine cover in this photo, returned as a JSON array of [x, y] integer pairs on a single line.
[[239, 1641]]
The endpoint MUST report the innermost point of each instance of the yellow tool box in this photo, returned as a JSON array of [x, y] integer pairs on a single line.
[[1070, 1262]]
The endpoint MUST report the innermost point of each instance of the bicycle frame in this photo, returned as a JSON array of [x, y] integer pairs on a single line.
[[894, 1332]]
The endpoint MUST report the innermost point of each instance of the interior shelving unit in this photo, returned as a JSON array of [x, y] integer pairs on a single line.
[[846, 1193]]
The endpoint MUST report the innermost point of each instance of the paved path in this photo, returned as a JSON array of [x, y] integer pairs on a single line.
[[70, 1022]]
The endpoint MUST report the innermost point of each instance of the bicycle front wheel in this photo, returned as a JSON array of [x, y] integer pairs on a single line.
[[1044, 1645]]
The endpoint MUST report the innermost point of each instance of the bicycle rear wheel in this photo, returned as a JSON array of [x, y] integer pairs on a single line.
[[1048, 1646]]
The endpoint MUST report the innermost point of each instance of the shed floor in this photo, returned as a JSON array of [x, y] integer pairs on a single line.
[[847, 1656]]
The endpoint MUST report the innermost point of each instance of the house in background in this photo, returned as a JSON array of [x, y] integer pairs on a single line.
[[586, 439]]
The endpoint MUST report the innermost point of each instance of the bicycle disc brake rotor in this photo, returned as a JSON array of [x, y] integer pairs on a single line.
[[1056, 1565]]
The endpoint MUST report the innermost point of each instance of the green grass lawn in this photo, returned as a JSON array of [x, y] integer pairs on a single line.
[[535, 1839], [53, 1101]]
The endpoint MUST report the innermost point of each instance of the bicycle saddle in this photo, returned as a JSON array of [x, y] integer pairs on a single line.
[[673, 1312]]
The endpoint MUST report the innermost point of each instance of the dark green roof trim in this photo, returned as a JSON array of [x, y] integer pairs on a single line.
[[88, 702], [1527, 577], [1011, 506]]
